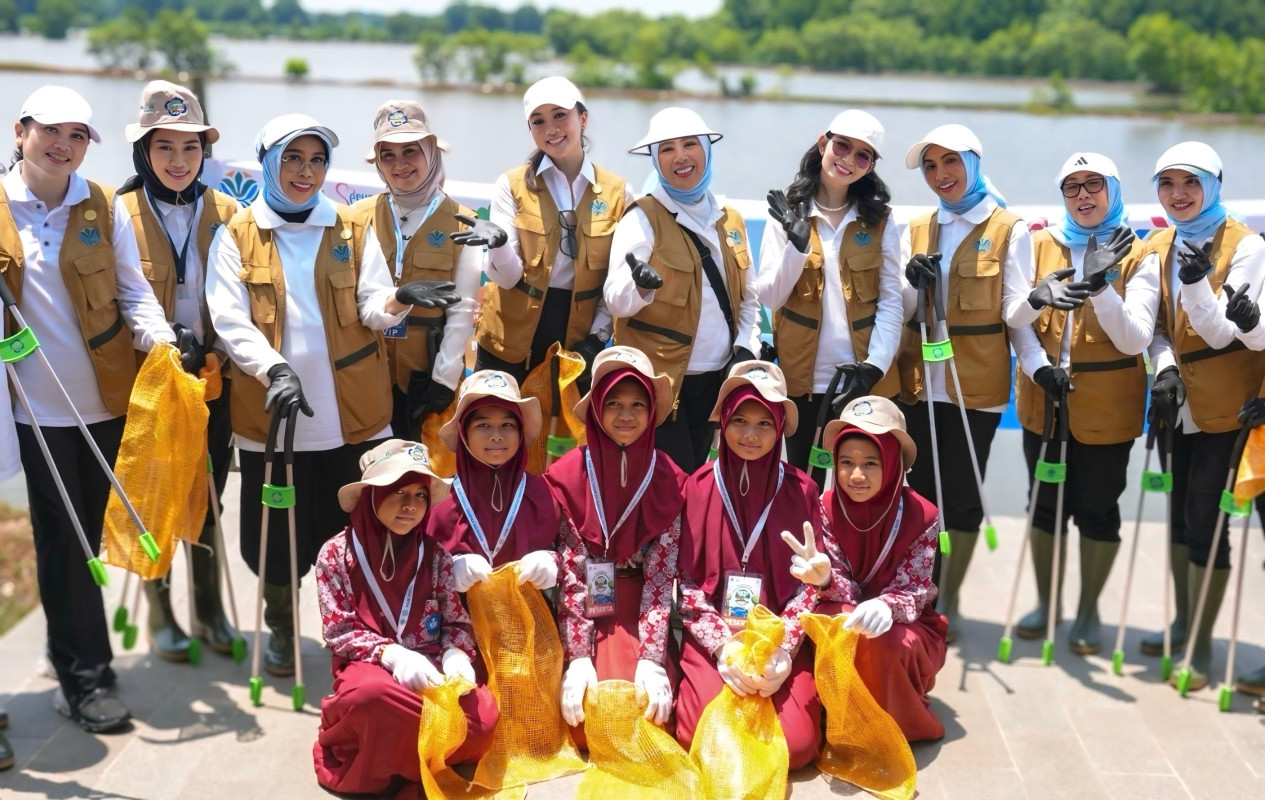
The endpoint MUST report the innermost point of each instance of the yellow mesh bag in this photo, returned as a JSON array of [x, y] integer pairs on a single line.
[[442, 460], [161, 465], [632, 758], [864, 745], [739, 748], [536, 384], [519, 642], [443, 729]]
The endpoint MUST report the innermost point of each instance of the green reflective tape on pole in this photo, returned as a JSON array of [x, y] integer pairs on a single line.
[[278, 496], [256, 691], [1223, 702], [937, 351], [209, 466], [946, 543], [1117, 662], [559, 446], [821, 458], [1166, 667], [297, 697], [98, 572], [1047, 472], [150, 547], [18, 346], [1235, 509], [1157, 482], [1003, 649], [1047, 652]]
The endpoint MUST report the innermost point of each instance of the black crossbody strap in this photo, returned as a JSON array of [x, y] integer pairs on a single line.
[[713, 277]]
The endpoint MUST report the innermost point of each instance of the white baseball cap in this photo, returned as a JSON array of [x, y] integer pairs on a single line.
[[951, 137], [57, 105], [554, 90], [674, 122], [1190, 156], [859, 125], [280, 127], [1087, 162]]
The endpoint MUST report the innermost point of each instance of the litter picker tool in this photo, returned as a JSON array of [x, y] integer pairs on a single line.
[[1056, 474], [931, 352], [819, 457], [555, 446], [296, 693], [1166, 659], [239, 643], [1227, 688], [272, 497]]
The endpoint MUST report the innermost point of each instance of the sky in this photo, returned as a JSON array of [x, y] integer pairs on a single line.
[[695, 8]]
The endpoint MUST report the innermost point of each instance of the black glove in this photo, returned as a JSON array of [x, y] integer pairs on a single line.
[[922, 270], [192, 356], [1196, 262], [768, 352], [795, 223], [432, 399], [285, 392], [740, 355], [1053, 292], [1099, 261], [1240, 309], [1168, 395], [1054, 380], [480, 232], [859, 379], [428, 294], [1253, 412], [643, 274], [588, 348]]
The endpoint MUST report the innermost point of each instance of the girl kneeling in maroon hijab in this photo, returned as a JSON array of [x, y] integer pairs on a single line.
[[732, 557], [621, 499], [395, 626], [888, 535]]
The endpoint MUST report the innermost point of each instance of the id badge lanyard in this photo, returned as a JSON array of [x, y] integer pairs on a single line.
[[887, 546], [399, 235], [181, 256], [460, 491], [597, 497], [396, 623], [749, 542]]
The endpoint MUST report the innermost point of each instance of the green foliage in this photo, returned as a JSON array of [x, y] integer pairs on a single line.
[[52, 18], [133, 41], [780, 46], [296, 69], [9, 16]]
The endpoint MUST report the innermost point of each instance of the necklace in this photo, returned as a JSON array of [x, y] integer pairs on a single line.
[[822, 207]]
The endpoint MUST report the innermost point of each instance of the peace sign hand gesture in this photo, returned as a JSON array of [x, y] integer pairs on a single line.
[[807, 564]]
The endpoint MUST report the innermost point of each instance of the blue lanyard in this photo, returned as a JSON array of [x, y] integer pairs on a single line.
[[748, 544], [474, 521], [597, 496], [399, 236]]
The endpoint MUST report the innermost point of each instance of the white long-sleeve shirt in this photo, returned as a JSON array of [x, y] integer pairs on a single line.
[[1017, 276], [303, 343], [48, 310], [712, 346], [10, 459], [504, 265], [1128, 321], [781, 266]]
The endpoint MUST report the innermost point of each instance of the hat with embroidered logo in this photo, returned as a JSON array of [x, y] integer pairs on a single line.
[[624, 357], [876, 415], [502, 386], [1087, 162], [386, 464], [401, 121], [57, 105], [767, 379], [168, 105]]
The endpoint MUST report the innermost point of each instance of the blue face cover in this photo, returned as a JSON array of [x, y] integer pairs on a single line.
[[980, 186], [274, 195], [1211, 216], [1076, 235], [692, 196]]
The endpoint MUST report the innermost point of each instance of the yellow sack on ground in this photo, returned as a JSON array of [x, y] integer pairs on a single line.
[[1250, 481], [161, 465], [864, 745], [442, 460], [536, 384], [739, 748], [520, 646], [443, 729], [632, 758]]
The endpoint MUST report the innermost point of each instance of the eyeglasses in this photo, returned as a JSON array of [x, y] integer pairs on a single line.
[[862, 158], [295, 164], [1093, 186], [569, 246]]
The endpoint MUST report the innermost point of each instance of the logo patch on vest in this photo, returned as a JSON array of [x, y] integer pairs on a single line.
[[397, 118], [175, 106], [862, 239], [215, 228], [735, 239], [241, 187], [342, 253], [435, 238], [90, 236], [598, 207], [432, 624], [983, 245]]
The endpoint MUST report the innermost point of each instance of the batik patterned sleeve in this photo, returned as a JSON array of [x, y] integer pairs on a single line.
[[911, 590], [700, 618], [804, 602], [575, 628], [659, 570], [345, 634], [457, 631], [842, 588]]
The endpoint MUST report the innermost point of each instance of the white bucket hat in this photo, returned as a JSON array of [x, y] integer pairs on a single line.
[[57, 105], [876, 415], [502, 386], [767, 379], [554, 91], [386, 464], [1087, 162], [280, 127], [1190, 156], [623, 357], [951, 137], [859, 125], [674, 122]]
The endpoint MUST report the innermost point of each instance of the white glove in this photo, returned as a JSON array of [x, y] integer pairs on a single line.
[[456, 664], [410, 669], [807, 564], [580, 676], [734, 678], [653, 679], [870, 618], [469, 569], [539, 568], [776, 671]]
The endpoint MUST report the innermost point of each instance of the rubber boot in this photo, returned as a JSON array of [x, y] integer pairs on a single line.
[[279, 617], [166, 638], [1179, 565], [1201, 656], [963, 545], [211, 625], [1032, 625], [1252, 683], [1096, 560]]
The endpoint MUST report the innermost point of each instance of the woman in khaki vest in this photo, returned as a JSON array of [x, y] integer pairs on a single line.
[[549, 239], [299, 293], [415, 222], [69, 257], [977, 258], [1097, 350], [174, 217], [681, 285], [1204, 374], [829, 264]]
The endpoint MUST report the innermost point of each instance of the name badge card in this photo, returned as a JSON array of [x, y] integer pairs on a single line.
[[742, 595], [599, 581], [397, 331]]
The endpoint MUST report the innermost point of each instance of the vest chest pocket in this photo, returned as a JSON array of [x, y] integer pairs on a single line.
[[155, 271], [263, 295], [531, 243], [865, 271], [678, 279], [979, 284], [1094, 331], [343, 289], [96, 275], [598, 234]]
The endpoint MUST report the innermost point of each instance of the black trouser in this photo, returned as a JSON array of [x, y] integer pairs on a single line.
[[219, 444], [400, 427], [1201, 462], [800, 443], [78, 637], [551, 327], [318, 516], [687, 435], [960, 501], [1096, 477]]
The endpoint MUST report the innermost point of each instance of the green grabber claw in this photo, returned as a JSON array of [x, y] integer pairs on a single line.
[[18, 346], [257, 691], [195, 652], [1233, 507], [98, 572], [1048, 472], [937, 351], [821, 458], [129, 637], [1223, 702], [990, 537], [277, 496], [239, 650], [1183, 682], [296, 697], [1166, 667], [1047, 652], [120, 619], [946, 544], [559, 446], [150, 547], [1117, 662], [1003, 649]]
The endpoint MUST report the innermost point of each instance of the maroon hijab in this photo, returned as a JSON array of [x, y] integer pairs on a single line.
[[862, 528], [710, 546], [373, 537], [535, 527], [619, 472]]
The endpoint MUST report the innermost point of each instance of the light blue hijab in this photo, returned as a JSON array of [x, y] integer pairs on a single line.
[[980, 186], [1076, 235], [1211, 216], [274, 195], [685, 198]]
